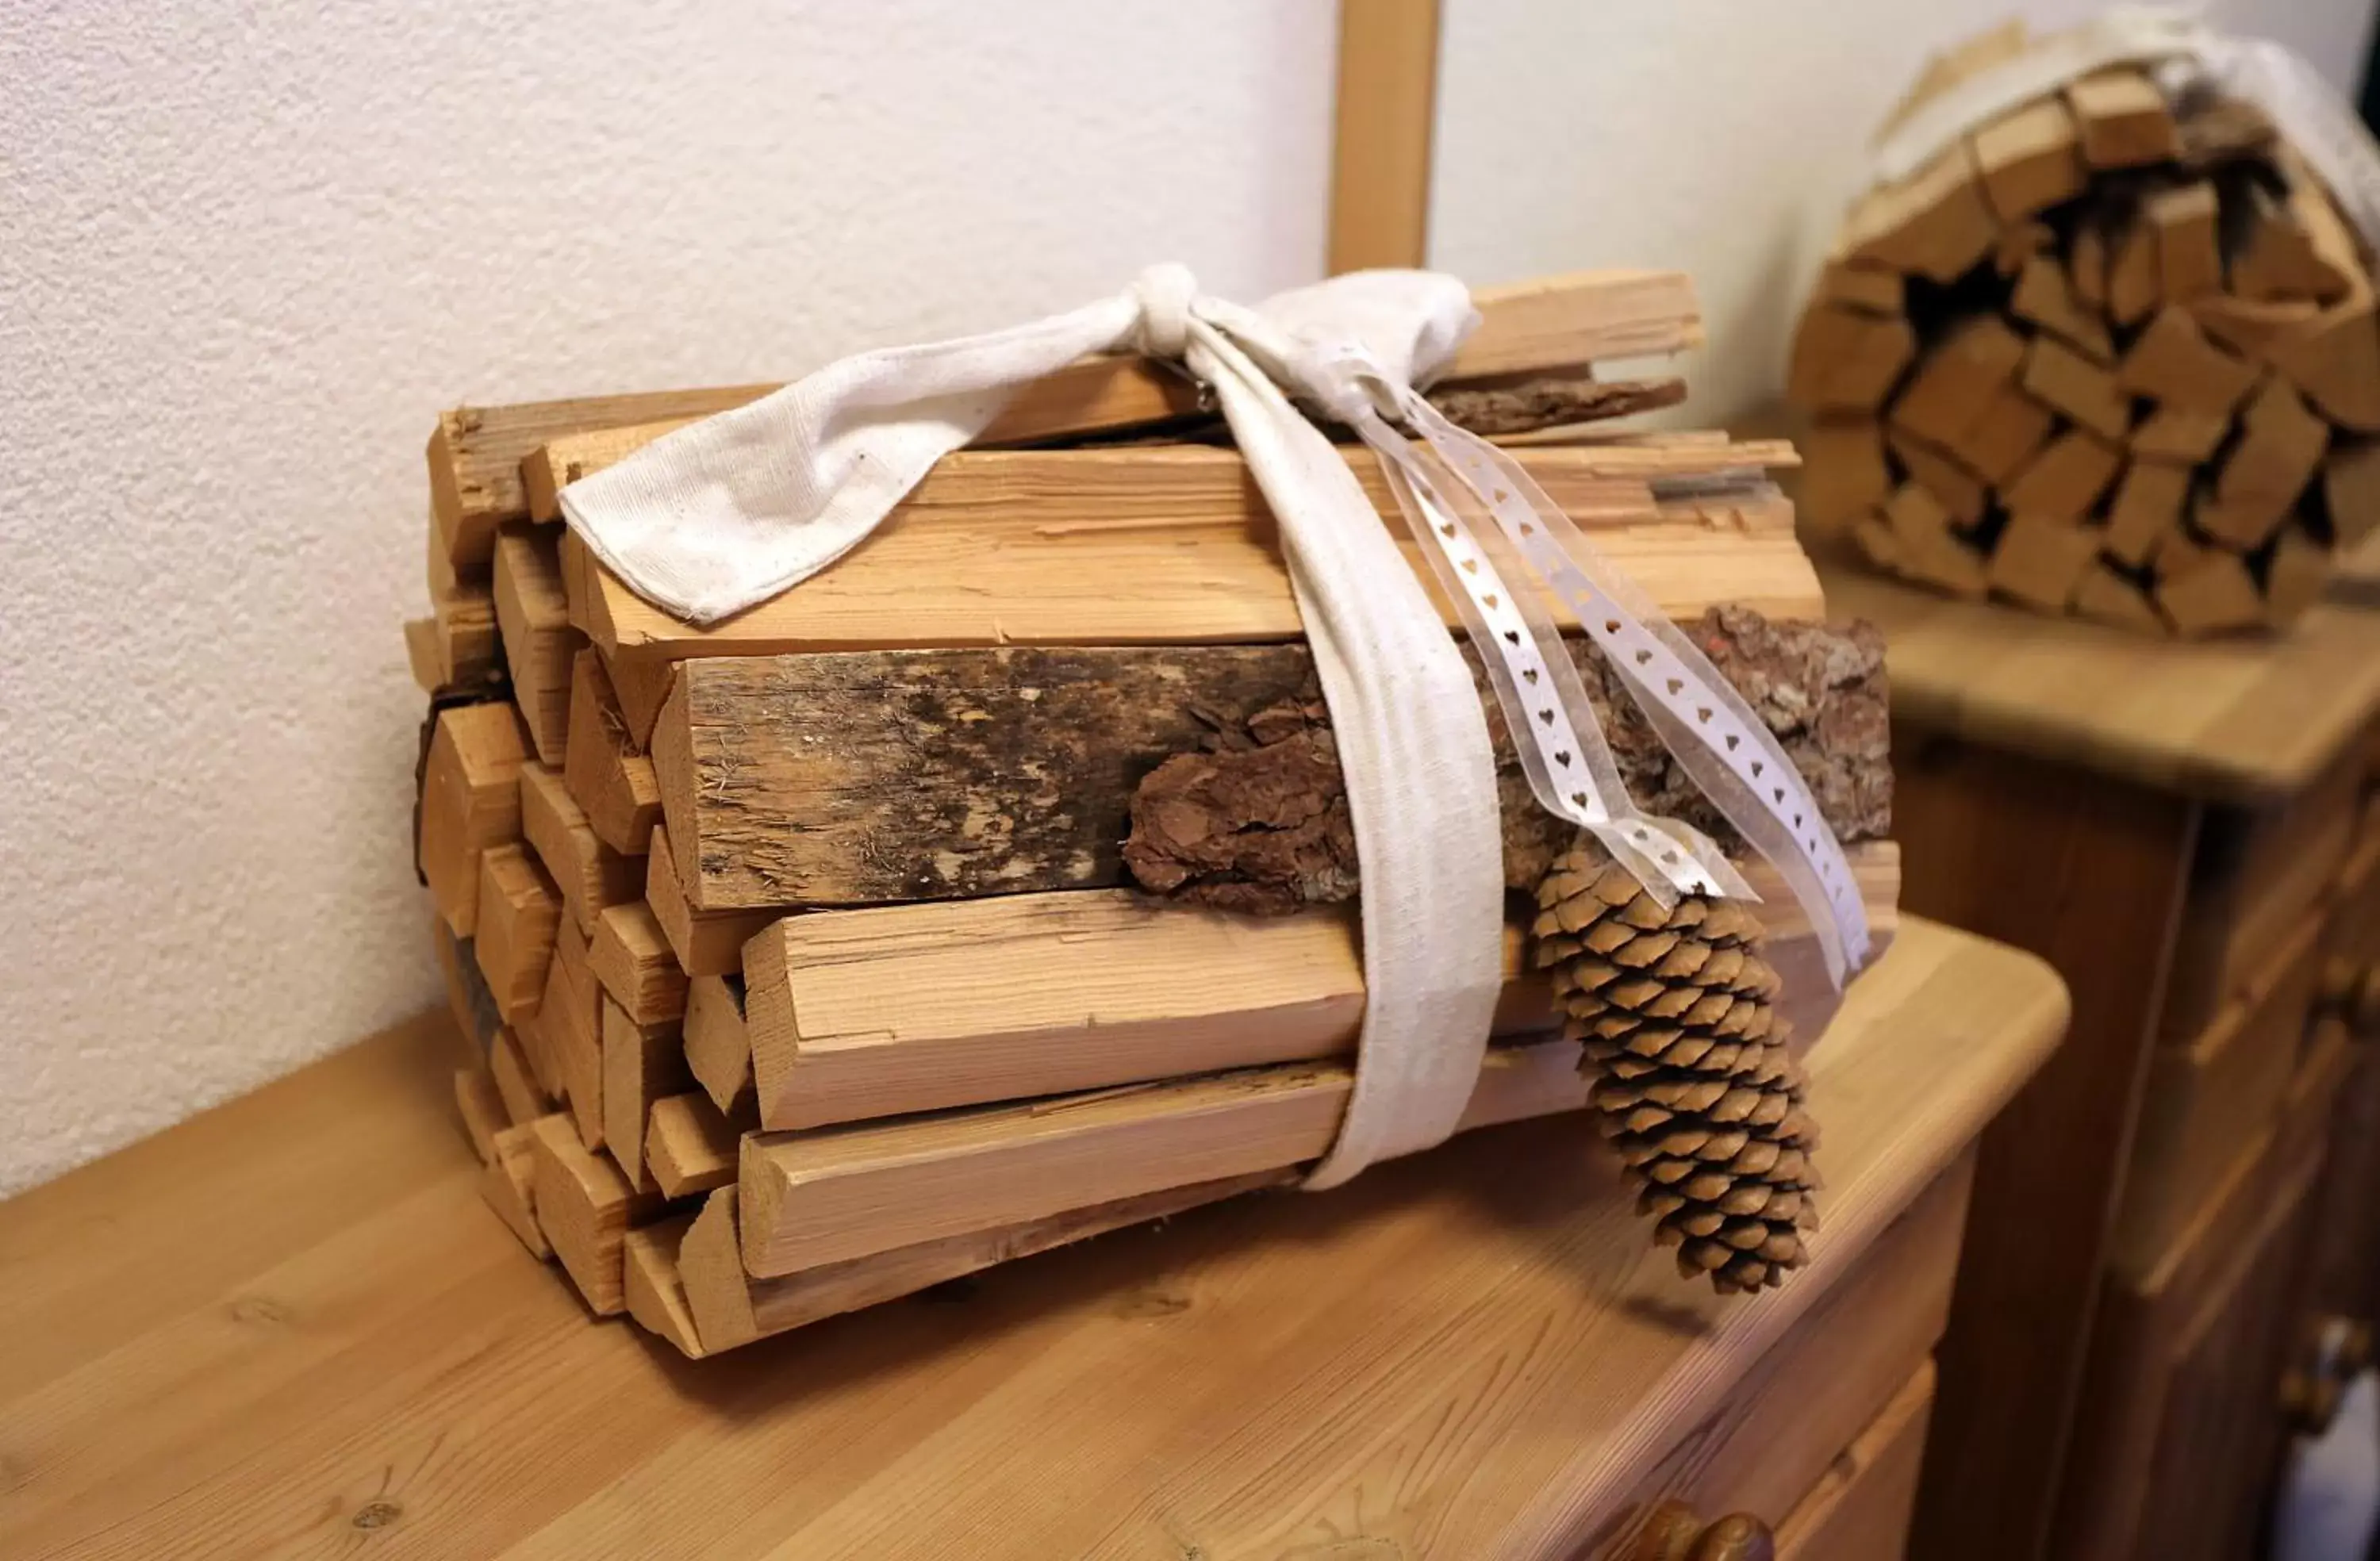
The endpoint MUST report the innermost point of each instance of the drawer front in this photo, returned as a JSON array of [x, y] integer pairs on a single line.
[[1769, 1444], [1859, 1508], [2350, 977], [2343, 1260], [2181, 1414], [2252, 882], [2207, 1102]]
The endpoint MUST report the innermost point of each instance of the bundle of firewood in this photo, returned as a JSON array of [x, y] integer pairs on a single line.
[[807, 950], [2113, 354]]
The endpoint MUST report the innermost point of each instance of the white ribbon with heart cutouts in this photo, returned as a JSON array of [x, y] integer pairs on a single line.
[[731, 510]]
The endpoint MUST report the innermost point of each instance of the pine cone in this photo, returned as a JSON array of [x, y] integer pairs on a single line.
[[1676, 1009]]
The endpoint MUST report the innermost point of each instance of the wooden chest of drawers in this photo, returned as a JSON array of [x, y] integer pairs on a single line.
[[289, 1326], [2160, 1219]]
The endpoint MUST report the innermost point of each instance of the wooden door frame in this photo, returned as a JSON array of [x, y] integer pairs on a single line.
[[1383, 125]]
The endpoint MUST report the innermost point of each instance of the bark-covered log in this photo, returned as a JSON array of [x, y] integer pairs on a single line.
[[874, 776], [1257, 820]]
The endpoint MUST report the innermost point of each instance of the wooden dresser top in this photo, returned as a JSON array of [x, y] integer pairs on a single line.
[[288, 1326], [2231, 720]]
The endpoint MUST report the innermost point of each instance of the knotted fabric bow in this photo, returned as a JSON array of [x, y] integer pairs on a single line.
[[2182, 51], [728, 512]]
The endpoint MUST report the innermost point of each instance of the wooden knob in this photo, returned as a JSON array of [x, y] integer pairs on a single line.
[[2337, 988], [1736, 1537], [2363, 1003], [2334, 1351], [1672, 1532]]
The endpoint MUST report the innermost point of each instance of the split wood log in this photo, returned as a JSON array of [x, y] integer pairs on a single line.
[[839, 1195], [2141, 372], [570, 1020], [730, 1308], [468, 998], [507, 1185], [424, 656], [481, 1107], [642, 1063], [465, 650], [476, 455], [1497, 410], [656, 1300], [904, 1009], [867, 778], [533, 618], [524, 1101], [519, 913], [690, 1145], [705, 942], [1173, 545], [470, 801], [718, 1044], [584, 1206], [631, 958], [606, 773], [591, 875]]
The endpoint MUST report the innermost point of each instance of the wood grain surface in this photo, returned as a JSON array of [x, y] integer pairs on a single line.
[[2091, 876], [289, 1326], [2240, 721]]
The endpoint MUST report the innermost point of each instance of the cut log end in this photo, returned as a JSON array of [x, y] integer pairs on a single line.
[[2141, 401]]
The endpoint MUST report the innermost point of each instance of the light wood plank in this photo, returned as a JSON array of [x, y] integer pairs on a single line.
[[631, 958], [533, 614], [520, 911], [705, 943], [607, 775], [1066, 565], [857, 1014], [470, 801], [591, 875], [642, 1063], [718, 1046], [691, 1146], [1379, 161]]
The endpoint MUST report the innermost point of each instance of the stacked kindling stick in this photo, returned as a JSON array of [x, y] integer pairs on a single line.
[[802, 946], [2113, 354]]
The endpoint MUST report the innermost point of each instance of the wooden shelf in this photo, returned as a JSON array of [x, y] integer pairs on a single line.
[[291, 1322], [2239, 720]]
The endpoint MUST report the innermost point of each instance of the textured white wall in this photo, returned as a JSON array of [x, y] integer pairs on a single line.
[[1699, 133], [247, 251]]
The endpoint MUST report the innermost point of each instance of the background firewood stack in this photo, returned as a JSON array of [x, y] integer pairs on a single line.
[[803, 948], [2113, 354]]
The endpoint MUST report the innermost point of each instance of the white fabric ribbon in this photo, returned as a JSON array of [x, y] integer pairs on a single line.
[[734, 509], [2181, 50]]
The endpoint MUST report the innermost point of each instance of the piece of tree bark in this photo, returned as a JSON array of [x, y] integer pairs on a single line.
[[1258, 821], [875, 776], [1526, 406]]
